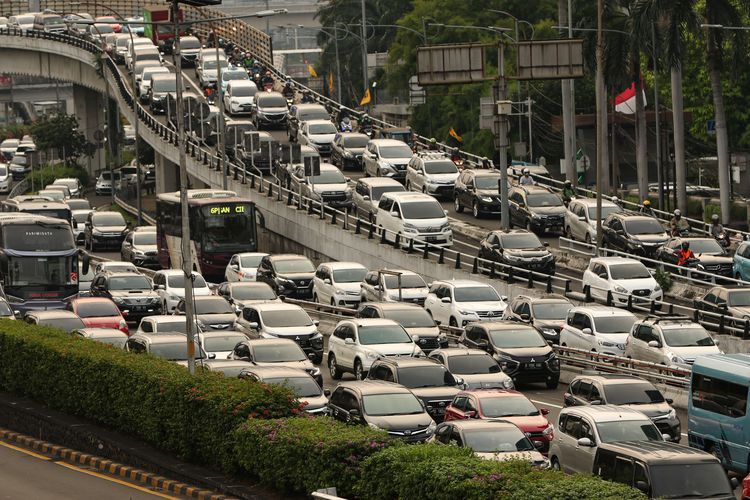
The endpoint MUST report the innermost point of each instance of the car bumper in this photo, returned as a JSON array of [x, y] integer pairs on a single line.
[[355, 163], [271, 120], [547, 226], [108, 241], [440, 190], [136, 313], [148, 261], [537, 266], [158, 106], [296, 293], [621, 300], [436, 239]]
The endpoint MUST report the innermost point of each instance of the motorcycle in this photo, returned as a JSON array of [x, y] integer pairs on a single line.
[[368, 131], [723, 239], [681, 232]]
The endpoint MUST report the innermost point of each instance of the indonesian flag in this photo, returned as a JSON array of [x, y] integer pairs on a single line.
[[625, 101]]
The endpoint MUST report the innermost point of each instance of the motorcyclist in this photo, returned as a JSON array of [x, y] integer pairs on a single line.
[[433, 145], [647, 209], [346, 125], [678, 225], [717, 230], [267, 79], [365, 124], [684, 255], [486, 164], [209, 91], [526, 179], [568, 192], [456, 157], [288, 90], [617, 201], [307, 97]]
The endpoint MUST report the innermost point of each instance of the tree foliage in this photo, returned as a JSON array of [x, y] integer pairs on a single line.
[[60, 132]]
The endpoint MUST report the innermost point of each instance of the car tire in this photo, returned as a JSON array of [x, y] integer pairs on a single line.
[[317, 359], [407, 186], [475, 210], [315, 297], [529, 228], [333, 302], [452, 322], [333, 368], [457, 205], [555, 463], [552, 384], [568, 233], [359, 373]]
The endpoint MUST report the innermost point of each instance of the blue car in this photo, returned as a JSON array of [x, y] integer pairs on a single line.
[[741, 268]]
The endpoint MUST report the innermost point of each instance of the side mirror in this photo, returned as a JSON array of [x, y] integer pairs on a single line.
[[470, 414], [235, 267], [666, 437], [445, 300], [394, 213], [521, 204], [311, 356], [482, 344], [585, 442], [654, 343], [669, 401], [316, 322], [544, 411], [366, 198], [582, 218], [538, 445], [327, 281], [734, 482], [253, 325], [415, 338], [211, 355], [354, 413], [525, 317], [349, 341], [586, 331], [568, 399], [596, 402], [445, 212], [546, 243], [326, 392]]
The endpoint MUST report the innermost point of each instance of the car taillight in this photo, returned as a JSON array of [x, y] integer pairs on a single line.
[[123, 326]]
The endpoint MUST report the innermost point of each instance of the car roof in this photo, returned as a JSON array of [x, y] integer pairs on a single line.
[[491, 393], [394, 306], [286, 256], [268, 342], [206, 298], [407, 361], [379, 181], [86, 300], [156, 318], [631, 216], [120, 274], [165, 338], [460, 351], [509, 232], [659, 452], [309, 105], [221, 333], [342, 265], [102, 332], [409, 196], [598, 311], [372, 321], [548, 299], [462, 283], [466, 425], [504, 325], [266, 372], [319, 121], [218, 363], [251, 254], [388, 142], [276, 306], [591, 202], [615, 260], [367, 387], [52, 314], [607, 413], [612, 377]]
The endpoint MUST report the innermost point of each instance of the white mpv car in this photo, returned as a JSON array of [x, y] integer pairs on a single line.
[[338, 283], [622, 277], [415, 216], [599, 329], [459, 302]]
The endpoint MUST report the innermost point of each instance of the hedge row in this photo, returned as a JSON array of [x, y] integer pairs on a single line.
[[139, 395]]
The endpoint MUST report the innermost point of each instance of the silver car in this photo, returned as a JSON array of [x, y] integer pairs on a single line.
[[580, 218], [367, 194]]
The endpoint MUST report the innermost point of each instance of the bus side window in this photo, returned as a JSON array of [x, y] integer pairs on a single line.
[[719, 396]]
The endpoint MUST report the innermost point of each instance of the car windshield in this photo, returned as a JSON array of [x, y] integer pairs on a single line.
[[410, 318], [517, 338], [79, 204], [551, 310], [251, 261], [278, 353], [544, 200], [253, 292], [5, 309], [190, 43], [425, 376], [108, 220], [178, 281], [322, 128], [100, 29], [96, 309], [629, 271], [606, 210], [53, 20], [407, 281], [738, 298], [381, 405], [294, 266], [628, 430], [314, 114], [81, 217], [272, 101], [173, 351], [694, 336], [377, 192], [135, 282], [614, 324], [228, 369], [213, 305], [285, 318], [440, 167], [355, 275], [179, 326], [395, 151], [105, 176], [244, 91], [211, 63], [146, 238], [643, 226], [329, 177], [699, 480], [475, 294], [67, 324], [508, 406], [302, 387], [234, 75], [472, 364], [422, 210], [487, 181], [706, 245], [383, 334], [161, 85], [632, 394], [219, 343], [3, 170], [509, 439], [520, 240], [355, 142]]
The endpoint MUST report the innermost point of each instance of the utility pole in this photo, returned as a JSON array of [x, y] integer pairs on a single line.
[[659, 173], [365, 80], [187, 258], [601, 125], [220, 121], [501, 126], [565, 16]]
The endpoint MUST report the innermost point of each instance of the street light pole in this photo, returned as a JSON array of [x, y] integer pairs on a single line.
[[365, 81], [600, 123], [220, 139]]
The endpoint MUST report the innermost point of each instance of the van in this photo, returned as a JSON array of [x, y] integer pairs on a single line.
[[717, 409], [662, 469], [416, 216], [49, 23]]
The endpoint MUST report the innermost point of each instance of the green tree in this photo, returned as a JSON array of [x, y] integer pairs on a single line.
[[59, 132]]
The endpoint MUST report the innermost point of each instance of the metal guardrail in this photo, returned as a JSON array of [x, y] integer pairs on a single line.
[[19, 188]]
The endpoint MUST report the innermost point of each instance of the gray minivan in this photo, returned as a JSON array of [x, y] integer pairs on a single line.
[[49, 23]]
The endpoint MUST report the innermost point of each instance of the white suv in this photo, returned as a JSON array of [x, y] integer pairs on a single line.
[[432, 173], [383, 286], [170, 286], [386, 158], [459, 302], [671, 341], [621, 277], [415, 216], [318, 134], [356, 343], [338, 283], [240, 97], [598, 329]]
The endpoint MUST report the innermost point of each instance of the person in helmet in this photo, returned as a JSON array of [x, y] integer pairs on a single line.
[[717, 230], [684, 254], [617, 201], [526, 179], [267, 78], [568, 192], [307, 97], [433, 145], [678, 225], [288, 90], [647, 209], [346, 124], [486, 163]]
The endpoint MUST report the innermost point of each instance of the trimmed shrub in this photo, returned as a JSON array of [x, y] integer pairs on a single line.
[[448, 472], [307, 453], [156, 400], [48, 173]]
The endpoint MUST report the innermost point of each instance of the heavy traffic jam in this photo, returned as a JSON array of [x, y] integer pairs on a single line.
[[449, 361]]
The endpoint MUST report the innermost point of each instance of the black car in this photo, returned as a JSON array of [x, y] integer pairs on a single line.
[[383, 405], [427, 378], [537, 209], [478, 190], [518, 248], [347, 149], [548, 314], [212, 312], [521, 350], [105, 229], [633, 234], [710, 257], [131, 292], [732, 301], [288, 274], [270, 111]]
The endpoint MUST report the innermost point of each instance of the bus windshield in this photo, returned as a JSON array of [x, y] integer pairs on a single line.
[[228, 228], [39, 237], [40, 271]]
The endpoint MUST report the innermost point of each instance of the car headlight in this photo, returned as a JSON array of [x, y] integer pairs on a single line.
[[536, 216], [139, 253], [635, 244], [549, 331], [508, 383], [657, 288], [96, 231], [672, 413], [442, 337], [410, 228], [372, 354], [486, 199], [338, 291], [619, 289], [467, 313], [431, 428], [605, 343], [675, 358], [549, 430], [445, 227], [118, 301], [316, 372]]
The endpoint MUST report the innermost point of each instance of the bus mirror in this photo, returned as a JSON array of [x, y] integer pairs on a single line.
[[85, 263], [261, 219], [3, 261]]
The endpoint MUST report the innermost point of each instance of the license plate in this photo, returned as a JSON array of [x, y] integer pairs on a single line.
[[430, 238], [553, 228], [534, 366]]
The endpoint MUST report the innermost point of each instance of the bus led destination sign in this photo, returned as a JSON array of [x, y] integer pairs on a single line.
[[221, 210]]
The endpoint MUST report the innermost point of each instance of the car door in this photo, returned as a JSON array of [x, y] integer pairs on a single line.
[[515, 200], [638, 342], [575, 337], [337, 404], [126, 250], [347, 350], [264, 273], [461, 187], [383, 217], [599, 281], [620, 237], [232, 271], [569, 428], [325, 290], [369, 161], [580, 221], [582, 458], [440, 310], [742, 261], [455, 411]]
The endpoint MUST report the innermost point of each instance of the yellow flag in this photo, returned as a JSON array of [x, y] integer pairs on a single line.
[[365, 98], [312, 71], [452, 132], [330, 83]]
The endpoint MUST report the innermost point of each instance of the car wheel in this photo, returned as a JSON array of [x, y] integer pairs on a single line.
[[452, 322], [333, 302], [555, 463], [359, 373], [475, 209], [315, 297], [408, 186], [457, 205], [333, 367], [552, 384], [424, 189]]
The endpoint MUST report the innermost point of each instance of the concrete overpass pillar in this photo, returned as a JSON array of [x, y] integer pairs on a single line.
[[88, 106], [167, 174]]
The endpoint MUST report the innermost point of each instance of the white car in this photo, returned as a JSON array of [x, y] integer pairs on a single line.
[[338, 283], [432, 173], [207, 69], [356, 343], [104, 182], [6, 180], [580, 218], [239, 97], [318, 134], [219, 344], [669, 341], [233, 74], [383, 286], [416, 216], [80, 216], [8, 147], [243, 266], [73, 185], [116, 266], [598, 329], [386, 158], [330, 187], [189, 48], [170, 286], [241, 294], [144, 86], [162, 323], [622, 277], [459, 302]]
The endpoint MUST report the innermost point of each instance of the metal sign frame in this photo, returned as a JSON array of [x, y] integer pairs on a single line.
[[450, 64], [549, 59]]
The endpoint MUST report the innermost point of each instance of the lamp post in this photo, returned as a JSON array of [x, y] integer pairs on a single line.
[[335, 38], [365, 80]]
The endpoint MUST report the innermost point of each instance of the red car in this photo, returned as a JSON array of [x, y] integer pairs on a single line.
[[505, 404], [98, 312], [746, 488]]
